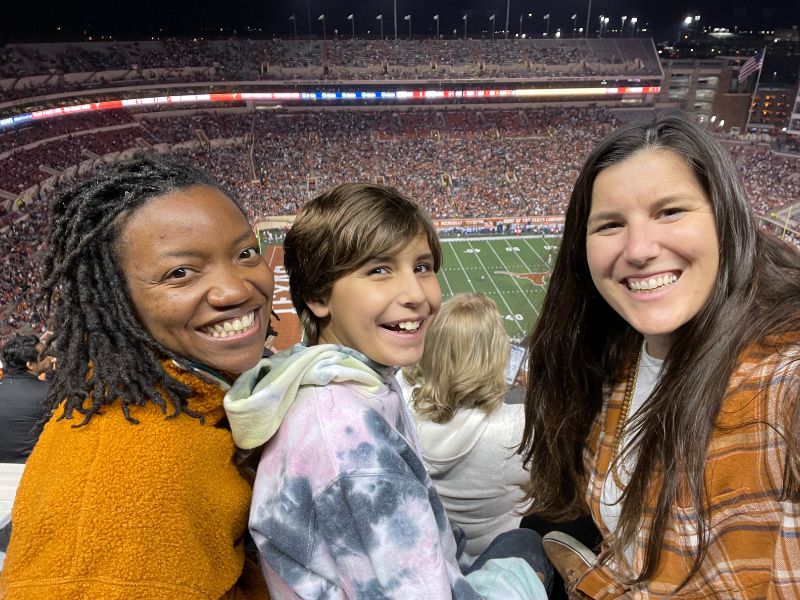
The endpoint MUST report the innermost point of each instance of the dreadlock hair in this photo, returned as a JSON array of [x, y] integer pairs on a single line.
[[104, 353]]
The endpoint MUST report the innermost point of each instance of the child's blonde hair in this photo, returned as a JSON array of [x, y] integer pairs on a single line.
[[339, 231], [463, 363]]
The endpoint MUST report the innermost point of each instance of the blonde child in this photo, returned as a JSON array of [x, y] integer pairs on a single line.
[[467, 432], [343, 506]]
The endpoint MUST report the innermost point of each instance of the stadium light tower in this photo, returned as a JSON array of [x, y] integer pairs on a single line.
[[465, 26], [491, 24], [601, 26], [408, 18], [588, 14], [687, 23], [436, 18], [380, 18], [622, 30], [633, 25]]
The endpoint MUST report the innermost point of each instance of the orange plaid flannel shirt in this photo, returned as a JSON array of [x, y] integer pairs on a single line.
[[754, 545]]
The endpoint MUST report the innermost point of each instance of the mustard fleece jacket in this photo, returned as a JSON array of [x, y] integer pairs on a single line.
[[113, 510]]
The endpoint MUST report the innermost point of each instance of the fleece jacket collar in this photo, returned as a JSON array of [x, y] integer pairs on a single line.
[[261, 397]]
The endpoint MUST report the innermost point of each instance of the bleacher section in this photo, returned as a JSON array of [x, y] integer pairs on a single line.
[[459, 163], [36, 70]]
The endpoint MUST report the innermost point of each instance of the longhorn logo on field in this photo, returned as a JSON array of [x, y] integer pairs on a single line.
[[534, 278]]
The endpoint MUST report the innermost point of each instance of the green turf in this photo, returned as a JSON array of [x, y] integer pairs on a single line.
[[466, 260]]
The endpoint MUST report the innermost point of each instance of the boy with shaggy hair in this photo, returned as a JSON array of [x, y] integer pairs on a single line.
[[342, 505]]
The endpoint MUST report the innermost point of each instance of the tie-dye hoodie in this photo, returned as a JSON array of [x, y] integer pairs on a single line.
[[342, 505]]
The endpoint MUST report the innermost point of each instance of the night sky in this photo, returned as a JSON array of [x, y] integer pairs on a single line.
[[39, 21]]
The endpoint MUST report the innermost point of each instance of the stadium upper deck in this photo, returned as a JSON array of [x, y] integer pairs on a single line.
[[35, 70]]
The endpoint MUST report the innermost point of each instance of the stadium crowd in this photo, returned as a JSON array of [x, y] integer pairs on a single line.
[[29, 70], [458, 163]]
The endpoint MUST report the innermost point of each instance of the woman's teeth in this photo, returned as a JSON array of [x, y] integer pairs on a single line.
[[652, 283], [230, 327]]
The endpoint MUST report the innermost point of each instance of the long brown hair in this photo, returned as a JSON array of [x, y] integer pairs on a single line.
[[579, 344]]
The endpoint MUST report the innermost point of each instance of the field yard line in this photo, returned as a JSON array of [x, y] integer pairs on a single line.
[[516, 282], [272, 256], [458, 258], [499, 293], [541, 258], [444, 276]]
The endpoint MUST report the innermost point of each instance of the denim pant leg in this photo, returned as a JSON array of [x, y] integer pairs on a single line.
[[522, 543], [5, 536]]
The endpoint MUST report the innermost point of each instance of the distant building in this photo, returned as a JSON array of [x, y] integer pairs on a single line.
[[706, 88], [772, 107], [794, 119]]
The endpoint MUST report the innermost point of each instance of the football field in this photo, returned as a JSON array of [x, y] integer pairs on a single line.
[[512, 270]]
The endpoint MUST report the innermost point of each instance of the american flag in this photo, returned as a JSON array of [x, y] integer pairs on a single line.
[[750, 66]]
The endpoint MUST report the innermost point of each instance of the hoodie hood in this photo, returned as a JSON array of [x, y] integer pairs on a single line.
[[445, 444], [260, 398]]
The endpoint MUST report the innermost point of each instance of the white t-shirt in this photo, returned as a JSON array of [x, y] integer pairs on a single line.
[[610, 507]]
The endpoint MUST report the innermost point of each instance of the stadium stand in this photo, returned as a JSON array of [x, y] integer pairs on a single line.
[[39, 70], [458, 163]]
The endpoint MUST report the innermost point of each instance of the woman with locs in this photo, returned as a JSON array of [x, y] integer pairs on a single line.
[[160, 298]]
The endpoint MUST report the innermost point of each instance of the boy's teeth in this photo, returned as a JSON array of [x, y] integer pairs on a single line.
[[652, 283], [408, 325], [231, 327]]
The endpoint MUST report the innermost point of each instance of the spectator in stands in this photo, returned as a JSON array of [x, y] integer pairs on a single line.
[[665, 374], [480, 164], [354, 512], [467, 433], [22, 398], [160, 298]]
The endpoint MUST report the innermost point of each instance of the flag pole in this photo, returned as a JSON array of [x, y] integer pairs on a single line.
[[786, 223], [751, 109]]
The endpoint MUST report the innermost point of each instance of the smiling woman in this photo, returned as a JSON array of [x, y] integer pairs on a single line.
[[665, 374], [203, 293], [652, 245], [161, 298], [665, 378]]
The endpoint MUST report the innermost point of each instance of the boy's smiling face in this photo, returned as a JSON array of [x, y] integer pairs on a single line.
[[381, 309]]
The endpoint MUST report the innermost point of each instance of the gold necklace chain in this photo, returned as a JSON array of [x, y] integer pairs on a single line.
[[630, 388]]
